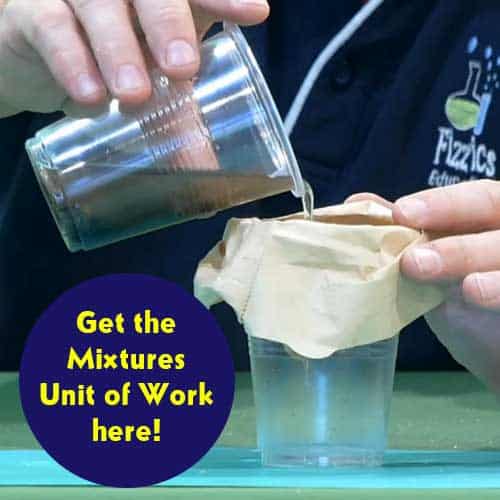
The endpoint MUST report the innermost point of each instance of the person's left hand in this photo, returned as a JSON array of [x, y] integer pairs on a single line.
[[466, 260], [469, 214]]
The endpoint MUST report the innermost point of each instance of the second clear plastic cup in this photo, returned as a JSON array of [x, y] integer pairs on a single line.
[[322, 412], [196, 148]]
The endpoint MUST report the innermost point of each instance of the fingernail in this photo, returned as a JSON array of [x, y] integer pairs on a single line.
[[488, 286], [86, 86], [413, 209], [129, 77], [428, 261], [180, 53], [258, 3]]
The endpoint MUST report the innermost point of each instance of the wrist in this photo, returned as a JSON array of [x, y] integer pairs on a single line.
[[6, 110], [7, 113]]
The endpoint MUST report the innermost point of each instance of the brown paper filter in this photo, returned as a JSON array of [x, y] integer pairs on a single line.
[[317, 286]]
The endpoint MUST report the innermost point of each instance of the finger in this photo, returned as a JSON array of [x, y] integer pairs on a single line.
[[453, 258], [244, 12], [369, 197], [109, 28], [54, 33], [207, 12], [483, 289], [466, 207], [171, 35]]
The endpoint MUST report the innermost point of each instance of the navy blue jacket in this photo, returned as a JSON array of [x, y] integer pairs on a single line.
[[383, 117]]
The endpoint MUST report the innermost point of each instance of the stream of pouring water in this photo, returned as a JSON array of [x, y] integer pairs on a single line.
[[308, 201], [308, 208], [316, 384]]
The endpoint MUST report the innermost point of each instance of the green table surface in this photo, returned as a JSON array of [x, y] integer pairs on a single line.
[[430, 411]]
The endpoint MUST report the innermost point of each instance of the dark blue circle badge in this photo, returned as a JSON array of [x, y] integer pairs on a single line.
[[127, 380]]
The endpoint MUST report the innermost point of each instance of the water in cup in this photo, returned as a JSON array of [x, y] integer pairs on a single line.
[[322, 412]]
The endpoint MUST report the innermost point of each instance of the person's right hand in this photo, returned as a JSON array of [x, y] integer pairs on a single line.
[[62, 54]]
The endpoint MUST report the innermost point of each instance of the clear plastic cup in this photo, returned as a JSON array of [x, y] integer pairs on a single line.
[[322, 412], [196, 148]]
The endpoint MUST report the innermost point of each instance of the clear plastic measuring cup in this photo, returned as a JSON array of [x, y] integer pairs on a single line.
[[196, 148], [322, 412]]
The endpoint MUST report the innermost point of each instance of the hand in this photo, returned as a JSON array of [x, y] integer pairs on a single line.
[[466, 261], [470, 213], [71, 53]]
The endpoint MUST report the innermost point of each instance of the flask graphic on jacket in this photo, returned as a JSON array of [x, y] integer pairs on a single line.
[[463, 107]]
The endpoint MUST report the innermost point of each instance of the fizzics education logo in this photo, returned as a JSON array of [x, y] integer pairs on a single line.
[[460, 155]]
